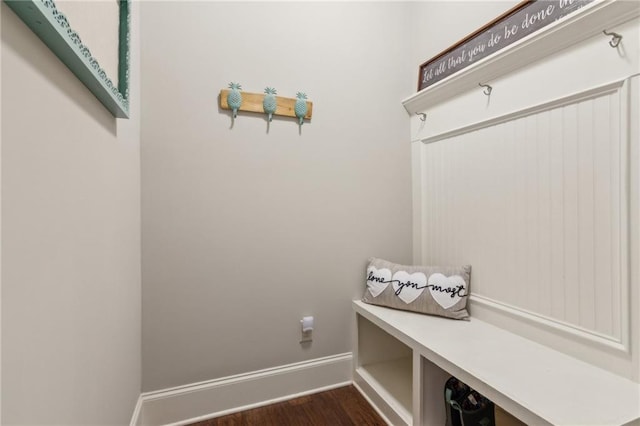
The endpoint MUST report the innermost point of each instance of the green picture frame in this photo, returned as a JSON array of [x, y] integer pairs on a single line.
[[53, 28]]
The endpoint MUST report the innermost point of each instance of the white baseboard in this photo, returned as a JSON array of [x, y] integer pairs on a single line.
[[205, 400], [136, 418]]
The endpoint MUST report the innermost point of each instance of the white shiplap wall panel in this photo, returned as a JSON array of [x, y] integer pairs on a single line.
[[535, 203], [570, 215], [556, 209], [586, 209]]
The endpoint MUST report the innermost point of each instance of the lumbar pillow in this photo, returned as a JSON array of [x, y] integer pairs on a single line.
[[434, 290]]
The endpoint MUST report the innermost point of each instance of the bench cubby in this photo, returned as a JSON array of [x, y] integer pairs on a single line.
[[403, 359]]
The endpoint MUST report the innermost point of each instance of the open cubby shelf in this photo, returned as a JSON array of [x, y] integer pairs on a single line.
[[393, 381], [403, 359]]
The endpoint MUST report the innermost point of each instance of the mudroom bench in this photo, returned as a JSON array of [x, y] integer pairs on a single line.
[[402, 361]]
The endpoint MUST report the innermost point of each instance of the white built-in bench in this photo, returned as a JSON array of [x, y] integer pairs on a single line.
[[403, 359]]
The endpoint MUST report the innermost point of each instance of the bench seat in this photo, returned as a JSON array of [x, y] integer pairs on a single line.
[[536, 384]]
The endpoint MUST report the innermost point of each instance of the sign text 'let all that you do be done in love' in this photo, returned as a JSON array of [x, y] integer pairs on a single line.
[[525, 20]]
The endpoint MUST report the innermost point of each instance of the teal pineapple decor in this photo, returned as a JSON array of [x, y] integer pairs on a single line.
[[234, 98], [300, 107], [269, 103]]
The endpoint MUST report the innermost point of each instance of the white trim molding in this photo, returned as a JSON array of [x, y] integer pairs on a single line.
[[601, 90], [556, 326], [195, 402]]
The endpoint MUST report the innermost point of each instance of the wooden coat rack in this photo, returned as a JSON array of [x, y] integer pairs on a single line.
[[252, 102]]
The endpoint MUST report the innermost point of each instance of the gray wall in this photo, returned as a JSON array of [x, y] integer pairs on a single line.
[[70, 242], [244, 231]]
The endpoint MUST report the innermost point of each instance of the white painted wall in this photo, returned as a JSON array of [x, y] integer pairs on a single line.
[[244, 231], [71, 241]]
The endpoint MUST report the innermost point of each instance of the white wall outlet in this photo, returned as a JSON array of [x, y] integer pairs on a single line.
[[306, 324]]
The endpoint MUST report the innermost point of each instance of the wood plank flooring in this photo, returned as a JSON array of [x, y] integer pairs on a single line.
[[337, 407]]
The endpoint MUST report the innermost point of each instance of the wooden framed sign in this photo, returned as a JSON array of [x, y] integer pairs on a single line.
[[524, 19]]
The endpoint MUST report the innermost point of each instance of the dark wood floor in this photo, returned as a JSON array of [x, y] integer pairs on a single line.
[[338, 407]]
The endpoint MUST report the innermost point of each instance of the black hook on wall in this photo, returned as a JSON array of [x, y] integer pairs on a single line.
[[615, 38], [487, 89]]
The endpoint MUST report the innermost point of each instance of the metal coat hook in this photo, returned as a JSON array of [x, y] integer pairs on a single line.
[[615, 38], [422, 115], [487, 89]]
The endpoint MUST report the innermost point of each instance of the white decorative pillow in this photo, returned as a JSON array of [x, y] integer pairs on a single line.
[[433, 290]]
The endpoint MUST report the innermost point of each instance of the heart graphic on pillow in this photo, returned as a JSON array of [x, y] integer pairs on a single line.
[[409, 286], [447, 291], [377, 280]]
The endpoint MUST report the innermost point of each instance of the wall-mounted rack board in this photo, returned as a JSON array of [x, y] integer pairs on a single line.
[[252, 102], [586, 22]]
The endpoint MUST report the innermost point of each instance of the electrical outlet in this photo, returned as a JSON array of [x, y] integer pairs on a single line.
[[306, 336], [306, 324]]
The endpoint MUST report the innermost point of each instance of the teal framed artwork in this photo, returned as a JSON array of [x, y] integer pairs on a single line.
[[51, 25]]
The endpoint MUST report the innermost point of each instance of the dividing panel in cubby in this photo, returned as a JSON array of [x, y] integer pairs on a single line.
[[433, 405]]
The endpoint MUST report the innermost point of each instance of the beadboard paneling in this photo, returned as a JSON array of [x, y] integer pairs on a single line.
[[537, 202]]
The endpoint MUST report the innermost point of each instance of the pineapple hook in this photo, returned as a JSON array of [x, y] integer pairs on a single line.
[[269, 103], [234, 98], [301, 107]]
